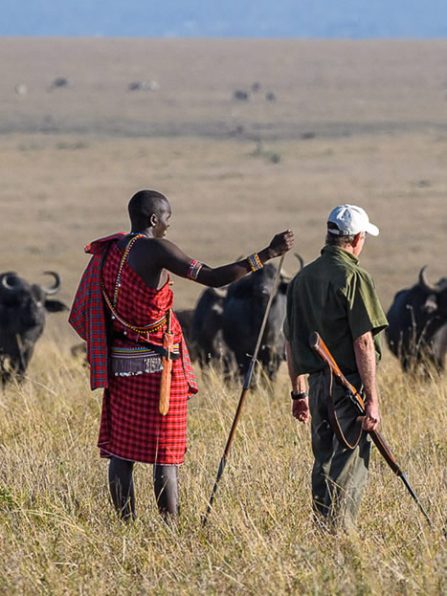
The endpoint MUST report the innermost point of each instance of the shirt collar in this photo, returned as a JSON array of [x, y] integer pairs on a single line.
[[339, 253]]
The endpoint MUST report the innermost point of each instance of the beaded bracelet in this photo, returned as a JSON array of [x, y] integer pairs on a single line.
[[255, 262], [194, 269]]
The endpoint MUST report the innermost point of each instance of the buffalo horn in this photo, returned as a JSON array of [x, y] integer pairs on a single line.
[[285, 276], [220, 292], [423, 281], [56, 286], [300, 259], [9, 280]]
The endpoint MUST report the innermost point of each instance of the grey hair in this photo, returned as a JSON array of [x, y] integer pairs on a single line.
[[336, 239], [333, 240]]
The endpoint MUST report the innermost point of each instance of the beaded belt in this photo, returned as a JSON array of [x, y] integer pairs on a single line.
[[127, 362]]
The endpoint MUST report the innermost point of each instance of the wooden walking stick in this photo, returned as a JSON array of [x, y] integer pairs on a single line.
[[165, 382], [245, 388]]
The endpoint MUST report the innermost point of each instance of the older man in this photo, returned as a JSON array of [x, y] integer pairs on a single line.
[[336, 297]]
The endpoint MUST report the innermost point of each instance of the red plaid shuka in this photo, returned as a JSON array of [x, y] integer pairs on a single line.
[[131, 426], [87, 315]]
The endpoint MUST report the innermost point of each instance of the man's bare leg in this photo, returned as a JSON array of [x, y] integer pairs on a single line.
[[121, 487], [166, 490]]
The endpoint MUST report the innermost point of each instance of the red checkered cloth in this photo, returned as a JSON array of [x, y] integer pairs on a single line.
[[131, 426], [87, 312]]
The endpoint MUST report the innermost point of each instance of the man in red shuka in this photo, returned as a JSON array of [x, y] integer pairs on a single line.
[[121, 309]]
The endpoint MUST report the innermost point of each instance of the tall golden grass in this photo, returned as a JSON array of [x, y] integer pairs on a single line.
[[355, 122], [59, 533]]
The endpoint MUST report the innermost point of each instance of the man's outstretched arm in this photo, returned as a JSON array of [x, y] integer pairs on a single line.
[[171, 257]]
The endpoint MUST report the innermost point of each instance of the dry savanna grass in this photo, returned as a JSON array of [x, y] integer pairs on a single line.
[[359, 122], [60, 535]]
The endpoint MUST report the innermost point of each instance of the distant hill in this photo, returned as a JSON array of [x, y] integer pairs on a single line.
[[354, 19]]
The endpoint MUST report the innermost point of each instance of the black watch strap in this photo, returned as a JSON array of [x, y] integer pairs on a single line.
[[296, 395]]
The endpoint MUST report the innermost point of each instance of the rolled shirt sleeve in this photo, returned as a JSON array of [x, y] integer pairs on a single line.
[[364, 310]]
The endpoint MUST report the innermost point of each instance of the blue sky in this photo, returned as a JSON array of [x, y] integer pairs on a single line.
[[232, 18]]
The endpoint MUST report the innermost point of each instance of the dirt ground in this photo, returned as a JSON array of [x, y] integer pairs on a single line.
[[361, 122]]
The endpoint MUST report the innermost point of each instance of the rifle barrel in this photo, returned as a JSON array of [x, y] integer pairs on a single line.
[[404, 479]]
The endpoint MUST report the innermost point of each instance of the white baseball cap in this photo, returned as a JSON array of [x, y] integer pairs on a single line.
[[351, 220]]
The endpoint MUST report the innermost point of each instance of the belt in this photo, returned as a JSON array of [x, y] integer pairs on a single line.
[[141, 347]]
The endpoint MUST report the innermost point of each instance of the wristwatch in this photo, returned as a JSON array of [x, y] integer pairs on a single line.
[[296, 395]]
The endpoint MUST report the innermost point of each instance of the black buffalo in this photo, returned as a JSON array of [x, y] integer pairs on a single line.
[[23, 308], [206, 336], [244, 309], [185, 318], [416, 320]]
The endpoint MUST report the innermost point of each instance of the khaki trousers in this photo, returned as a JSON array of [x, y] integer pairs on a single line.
[[339, 474]]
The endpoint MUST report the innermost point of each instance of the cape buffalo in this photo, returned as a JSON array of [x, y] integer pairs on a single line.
[[206, 338], [185, 318], [23, 307], [416, 318], [244, 309]]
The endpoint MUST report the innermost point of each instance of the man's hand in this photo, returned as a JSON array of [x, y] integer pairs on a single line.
[[300, 409], [371, 420], [281, 243]]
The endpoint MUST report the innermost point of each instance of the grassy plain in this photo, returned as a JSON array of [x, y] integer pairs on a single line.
[[356, 122]]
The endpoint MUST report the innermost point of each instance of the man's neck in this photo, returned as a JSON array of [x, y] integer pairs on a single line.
[[350, 249], [148, 232]]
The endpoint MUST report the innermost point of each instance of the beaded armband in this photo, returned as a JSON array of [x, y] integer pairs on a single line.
[[194, 269], [255, 262]]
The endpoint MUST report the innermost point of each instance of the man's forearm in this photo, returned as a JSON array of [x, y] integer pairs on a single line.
[[299, 382], [365, 358]]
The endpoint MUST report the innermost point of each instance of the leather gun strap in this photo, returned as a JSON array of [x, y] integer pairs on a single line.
[[329, 382]]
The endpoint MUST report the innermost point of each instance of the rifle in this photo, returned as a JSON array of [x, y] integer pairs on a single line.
[[165, 382], [318, 345]]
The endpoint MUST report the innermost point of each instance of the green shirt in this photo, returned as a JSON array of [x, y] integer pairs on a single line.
[[336, 297]]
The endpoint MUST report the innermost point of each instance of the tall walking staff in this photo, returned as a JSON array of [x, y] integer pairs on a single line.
[[245, 388]]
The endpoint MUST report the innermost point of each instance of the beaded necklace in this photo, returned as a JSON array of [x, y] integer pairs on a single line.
[[146, 329], [122, 263]]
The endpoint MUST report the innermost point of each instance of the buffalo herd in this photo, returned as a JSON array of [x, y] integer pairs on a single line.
[[223, 328]]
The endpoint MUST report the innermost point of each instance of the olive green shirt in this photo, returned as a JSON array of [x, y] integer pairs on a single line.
[[336, 297]]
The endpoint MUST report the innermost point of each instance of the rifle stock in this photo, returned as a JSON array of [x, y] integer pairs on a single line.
[[318, 345]]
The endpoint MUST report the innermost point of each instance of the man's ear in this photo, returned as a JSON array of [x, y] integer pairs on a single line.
[[153, 220], [357, 239]]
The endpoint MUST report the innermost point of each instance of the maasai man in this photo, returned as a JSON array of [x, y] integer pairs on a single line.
[[121, 310]]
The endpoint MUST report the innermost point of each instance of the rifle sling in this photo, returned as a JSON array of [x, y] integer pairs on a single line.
[[333, 418]]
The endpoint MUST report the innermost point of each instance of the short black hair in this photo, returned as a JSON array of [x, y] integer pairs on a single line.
[[144, 203]]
